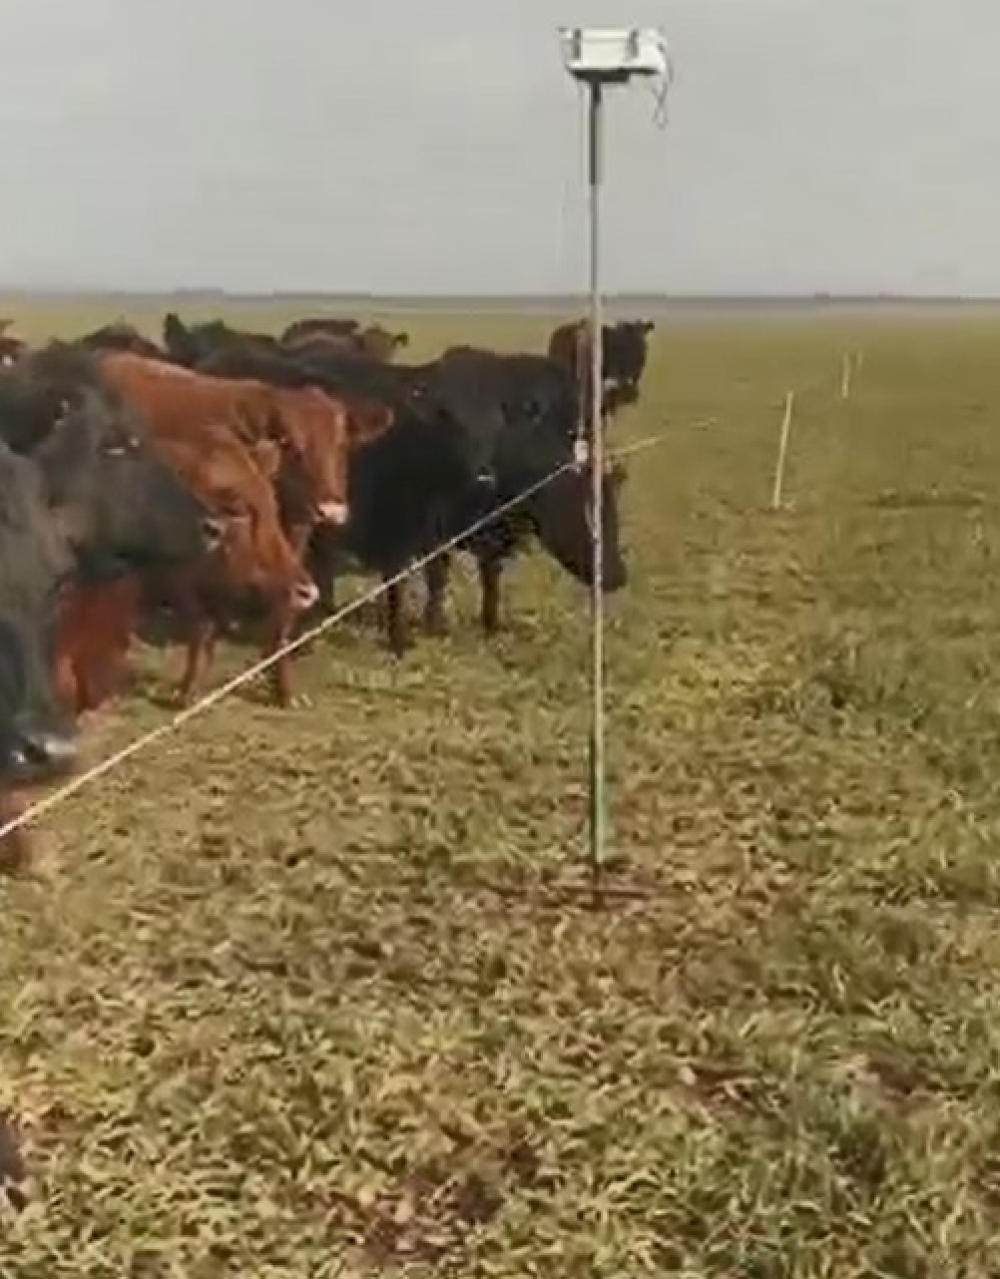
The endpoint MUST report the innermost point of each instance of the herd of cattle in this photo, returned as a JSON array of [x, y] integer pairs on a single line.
[[226, 473]]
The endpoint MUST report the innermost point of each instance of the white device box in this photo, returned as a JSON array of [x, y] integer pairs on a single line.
[[614, 53]]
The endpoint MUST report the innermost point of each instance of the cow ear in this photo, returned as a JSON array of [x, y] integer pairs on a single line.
[[267, 455], [69, 523], [366, 422]]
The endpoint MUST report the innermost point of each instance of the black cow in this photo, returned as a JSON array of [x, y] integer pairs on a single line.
[[626, 350], [319, 324], [37, 390], [121, 336], [118, 504], [120, 507], [523, 411], [189, 344], [37, 739], [516, 416], [624, 354]]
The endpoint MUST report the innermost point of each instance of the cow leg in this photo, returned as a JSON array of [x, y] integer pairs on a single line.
[[279, 629], [490, 569], [395, 614], [321, 561], [15, 849], [325, 577], [436, 573], [109, 675], [200, 646], [66, 684], [100, 674], [87, 696]]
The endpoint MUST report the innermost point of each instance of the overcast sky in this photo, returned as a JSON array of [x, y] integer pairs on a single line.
[[437, 146]]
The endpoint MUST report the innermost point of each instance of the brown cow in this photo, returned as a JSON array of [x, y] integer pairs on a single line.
[[624, 353], [94, 628], [235, 481], [312, 430], [96, 622], [569, 345]]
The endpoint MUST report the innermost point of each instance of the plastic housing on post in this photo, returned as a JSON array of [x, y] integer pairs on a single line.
[[614, 53]]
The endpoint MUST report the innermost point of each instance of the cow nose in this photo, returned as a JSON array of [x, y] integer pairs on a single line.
[[333, 512], [43, 753], [305, 595], [212, 530]]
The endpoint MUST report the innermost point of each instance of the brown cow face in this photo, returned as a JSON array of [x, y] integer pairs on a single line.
[[253, 553], [318, 430]]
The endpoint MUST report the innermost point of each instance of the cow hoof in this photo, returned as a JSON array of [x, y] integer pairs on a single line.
[[399, 645], [15, 854]]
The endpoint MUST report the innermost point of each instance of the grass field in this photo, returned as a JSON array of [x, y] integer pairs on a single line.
[[308, 993]]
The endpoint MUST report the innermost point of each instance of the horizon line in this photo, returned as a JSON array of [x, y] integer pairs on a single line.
[[822, 298]]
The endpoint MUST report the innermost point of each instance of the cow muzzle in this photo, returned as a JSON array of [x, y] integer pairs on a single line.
[[39, 756], [304, 595], [334, 513]]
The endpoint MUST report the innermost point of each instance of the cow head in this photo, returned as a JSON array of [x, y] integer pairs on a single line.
[[118, 503], [179, 341], [37, 740], [236, 482], [317, 429]]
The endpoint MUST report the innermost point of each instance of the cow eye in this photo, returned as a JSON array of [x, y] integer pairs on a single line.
[[231, 506]]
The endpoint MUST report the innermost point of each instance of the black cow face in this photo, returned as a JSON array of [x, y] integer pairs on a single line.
[[118, 503], [37, 741]]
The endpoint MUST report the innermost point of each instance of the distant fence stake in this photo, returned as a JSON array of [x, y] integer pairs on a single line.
[[851, 364], [779, 470]]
